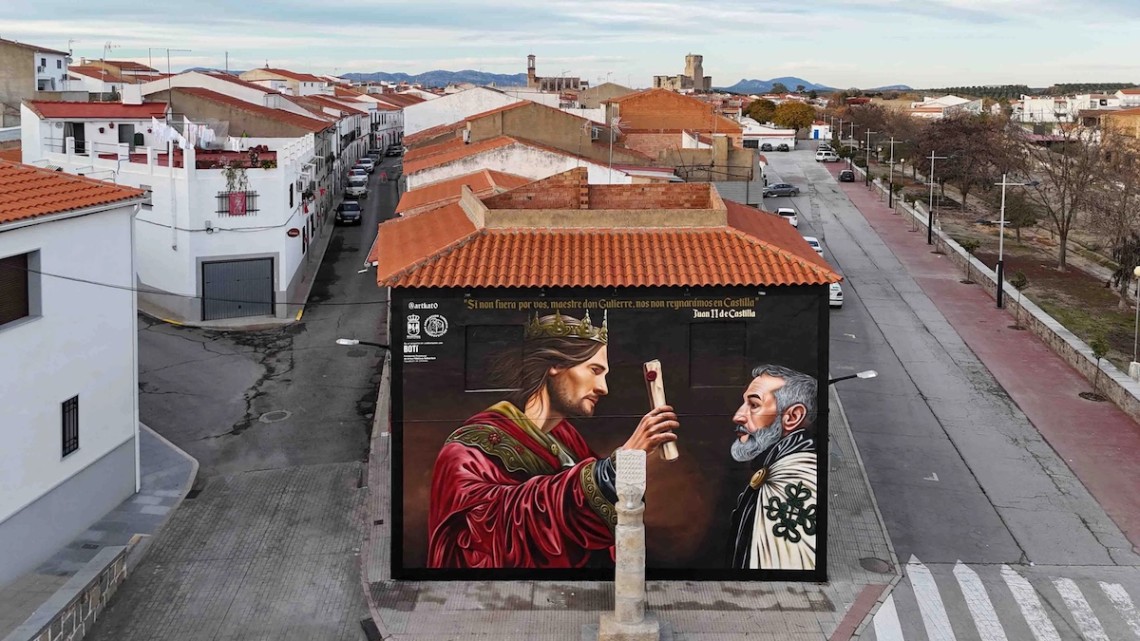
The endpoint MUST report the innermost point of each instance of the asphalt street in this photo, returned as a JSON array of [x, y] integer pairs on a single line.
[[267, 545], [961, 476]]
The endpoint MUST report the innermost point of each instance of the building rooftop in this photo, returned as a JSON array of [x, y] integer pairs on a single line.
[[293, 75], [664, 111], [130, 65], [482, 183], [280, 115], [337, 104], [28, 192], [562, 232], [91, 110], [32, 47]]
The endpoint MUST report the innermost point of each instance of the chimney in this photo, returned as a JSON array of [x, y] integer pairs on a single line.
[[583, 177]]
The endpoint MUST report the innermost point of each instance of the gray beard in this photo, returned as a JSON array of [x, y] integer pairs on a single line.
[[757, 443]]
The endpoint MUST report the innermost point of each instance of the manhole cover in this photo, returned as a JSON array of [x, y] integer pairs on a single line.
[[275, 416], [878, 566], [1090, 396]]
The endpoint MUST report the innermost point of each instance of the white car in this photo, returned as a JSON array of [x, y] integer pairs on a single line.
[[814, 242], [357, 186], [789, 214], [826, 156], [835, 295], [367, 163]]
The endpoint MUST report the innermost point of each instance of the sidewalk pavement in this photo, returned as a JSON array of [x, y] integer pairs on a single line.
[[861, 565], [167, 474], [1098, 441]]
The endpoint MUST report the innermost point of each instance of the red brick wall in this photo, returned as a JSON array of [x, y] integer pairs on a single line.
[[562, 191], [652, 144], [659, 196]]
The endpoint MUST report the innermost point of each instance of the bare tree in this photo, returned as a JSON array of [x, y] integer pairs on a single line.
[[1117, 208], [978, 147], [1070, 170]]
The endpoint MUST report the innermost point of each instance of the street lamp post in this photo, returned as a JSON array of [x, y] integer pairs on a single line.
[[350, 342], [891, 174], [867, 161], [1136, 331], [930, 205], [870, 373], [999, 271]]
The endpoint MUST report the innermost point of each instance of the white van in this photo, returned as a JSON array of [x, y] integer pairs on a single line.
[[357, 186], [826, 155]]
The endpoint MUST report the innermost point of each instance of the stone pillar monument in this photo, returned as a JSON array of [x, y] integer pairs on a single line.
[[629, 621]]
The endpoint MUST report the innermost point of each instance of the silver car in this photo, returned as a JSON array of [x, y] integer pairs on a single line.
[[781, 189]]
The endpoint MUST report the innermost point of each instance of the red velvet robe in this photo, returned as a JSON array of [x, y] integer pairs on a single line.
[[485, 512]]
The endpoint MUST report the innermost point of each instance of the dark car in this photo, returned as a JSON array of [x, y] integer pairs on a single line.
[[394, 150], [781, 189], [783, 147], [349, 213], [766, 147], [846, 176]]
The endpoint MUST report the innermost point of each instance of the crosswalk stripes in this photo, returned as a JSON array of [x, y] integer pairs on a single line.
[[1119, 597], [1081, 610], [1000, 603], [989, 628], [934, 617], [1030, 605]]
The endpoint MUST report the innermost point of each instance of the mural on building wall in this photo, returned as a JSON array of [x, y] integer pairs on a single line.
[[511, 404]]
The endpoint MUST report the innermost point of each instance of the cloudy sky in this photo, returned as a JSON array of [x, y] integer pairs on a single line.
[[866, 43]]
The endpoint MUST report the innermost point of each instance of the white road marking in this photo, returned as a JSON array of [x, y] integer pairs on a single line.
[[1030, 604], [1119, 597], [933, 477], [929, 602], [1090, 626], [887, 626], [985, 617]]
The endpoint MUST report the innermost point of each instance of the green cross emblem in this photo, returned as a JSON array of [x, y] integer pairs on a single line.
[[793, 514]]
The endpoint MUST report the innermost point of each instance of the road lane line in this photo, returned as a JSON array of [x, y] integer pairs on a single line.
[[929, 602], [887, 626], [985, 617], [1030, 604], [1123, 603], [1090, 626]]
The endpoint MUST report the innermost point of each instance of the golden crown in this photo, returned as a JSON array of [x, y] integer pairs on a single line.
[[557, 325]]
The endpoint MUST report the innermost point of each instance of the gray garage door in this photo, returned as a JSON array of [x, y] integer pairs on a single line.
[[236, 288]]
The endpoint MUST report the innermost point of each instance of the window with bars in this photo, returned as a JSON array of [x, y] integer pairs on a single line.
[[237, 203], [70, 425]]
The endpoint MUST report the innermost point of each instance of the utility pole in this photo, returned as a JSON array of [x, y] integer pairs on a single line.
[[867, 161], [930, 206]]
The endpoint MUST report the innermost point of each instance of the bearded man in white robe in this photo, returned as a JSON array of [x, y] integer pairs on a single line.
[[774, 523]]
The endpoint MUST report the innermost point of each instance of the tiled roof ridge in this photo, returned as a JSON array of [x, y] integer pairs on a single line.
[[821, 271], [437, 255]]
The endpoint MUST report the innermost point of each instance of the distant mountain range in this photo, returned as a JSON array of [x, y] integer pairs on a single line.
[[442, 78], [791, 82]]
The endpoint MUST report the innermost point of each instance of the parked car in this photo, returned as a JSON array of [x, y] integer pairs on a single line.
[[814, 243], [823, 146], [783, 147], [766, 147], [826, 156], [781, 189], [789, 214], [375, 155], [394, 150], [367, 163], [358, 186], [358, 170], [835, 295], [349, 212], [847, 176]]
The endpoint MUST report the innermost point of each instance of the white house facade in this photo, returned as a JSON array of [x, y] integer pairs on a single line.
[[453, 108], [221, 234], [70, 387]]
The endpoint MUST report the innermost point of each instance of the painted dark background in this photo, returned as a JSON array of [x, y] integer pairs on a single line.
[[688, 502]]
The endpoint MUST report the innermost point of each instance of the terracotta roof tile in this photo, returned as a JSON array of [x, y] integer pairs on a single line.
[[238, 81], [89, 110], [28, 192], [398, 99], [432, 132], [664, 111], [130, 65], [406, 242], [482, 183], [280, 115], [14, 154], [451, 151], [336, 104]]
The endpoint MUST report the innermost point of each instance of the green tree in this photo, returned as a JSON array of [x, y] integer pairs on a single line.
[[794, 115], [761, 110], [1019, 282], [779, 87], [970, 245], [1019, 211], [800, 88], [1127, 256], [813, 94]]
